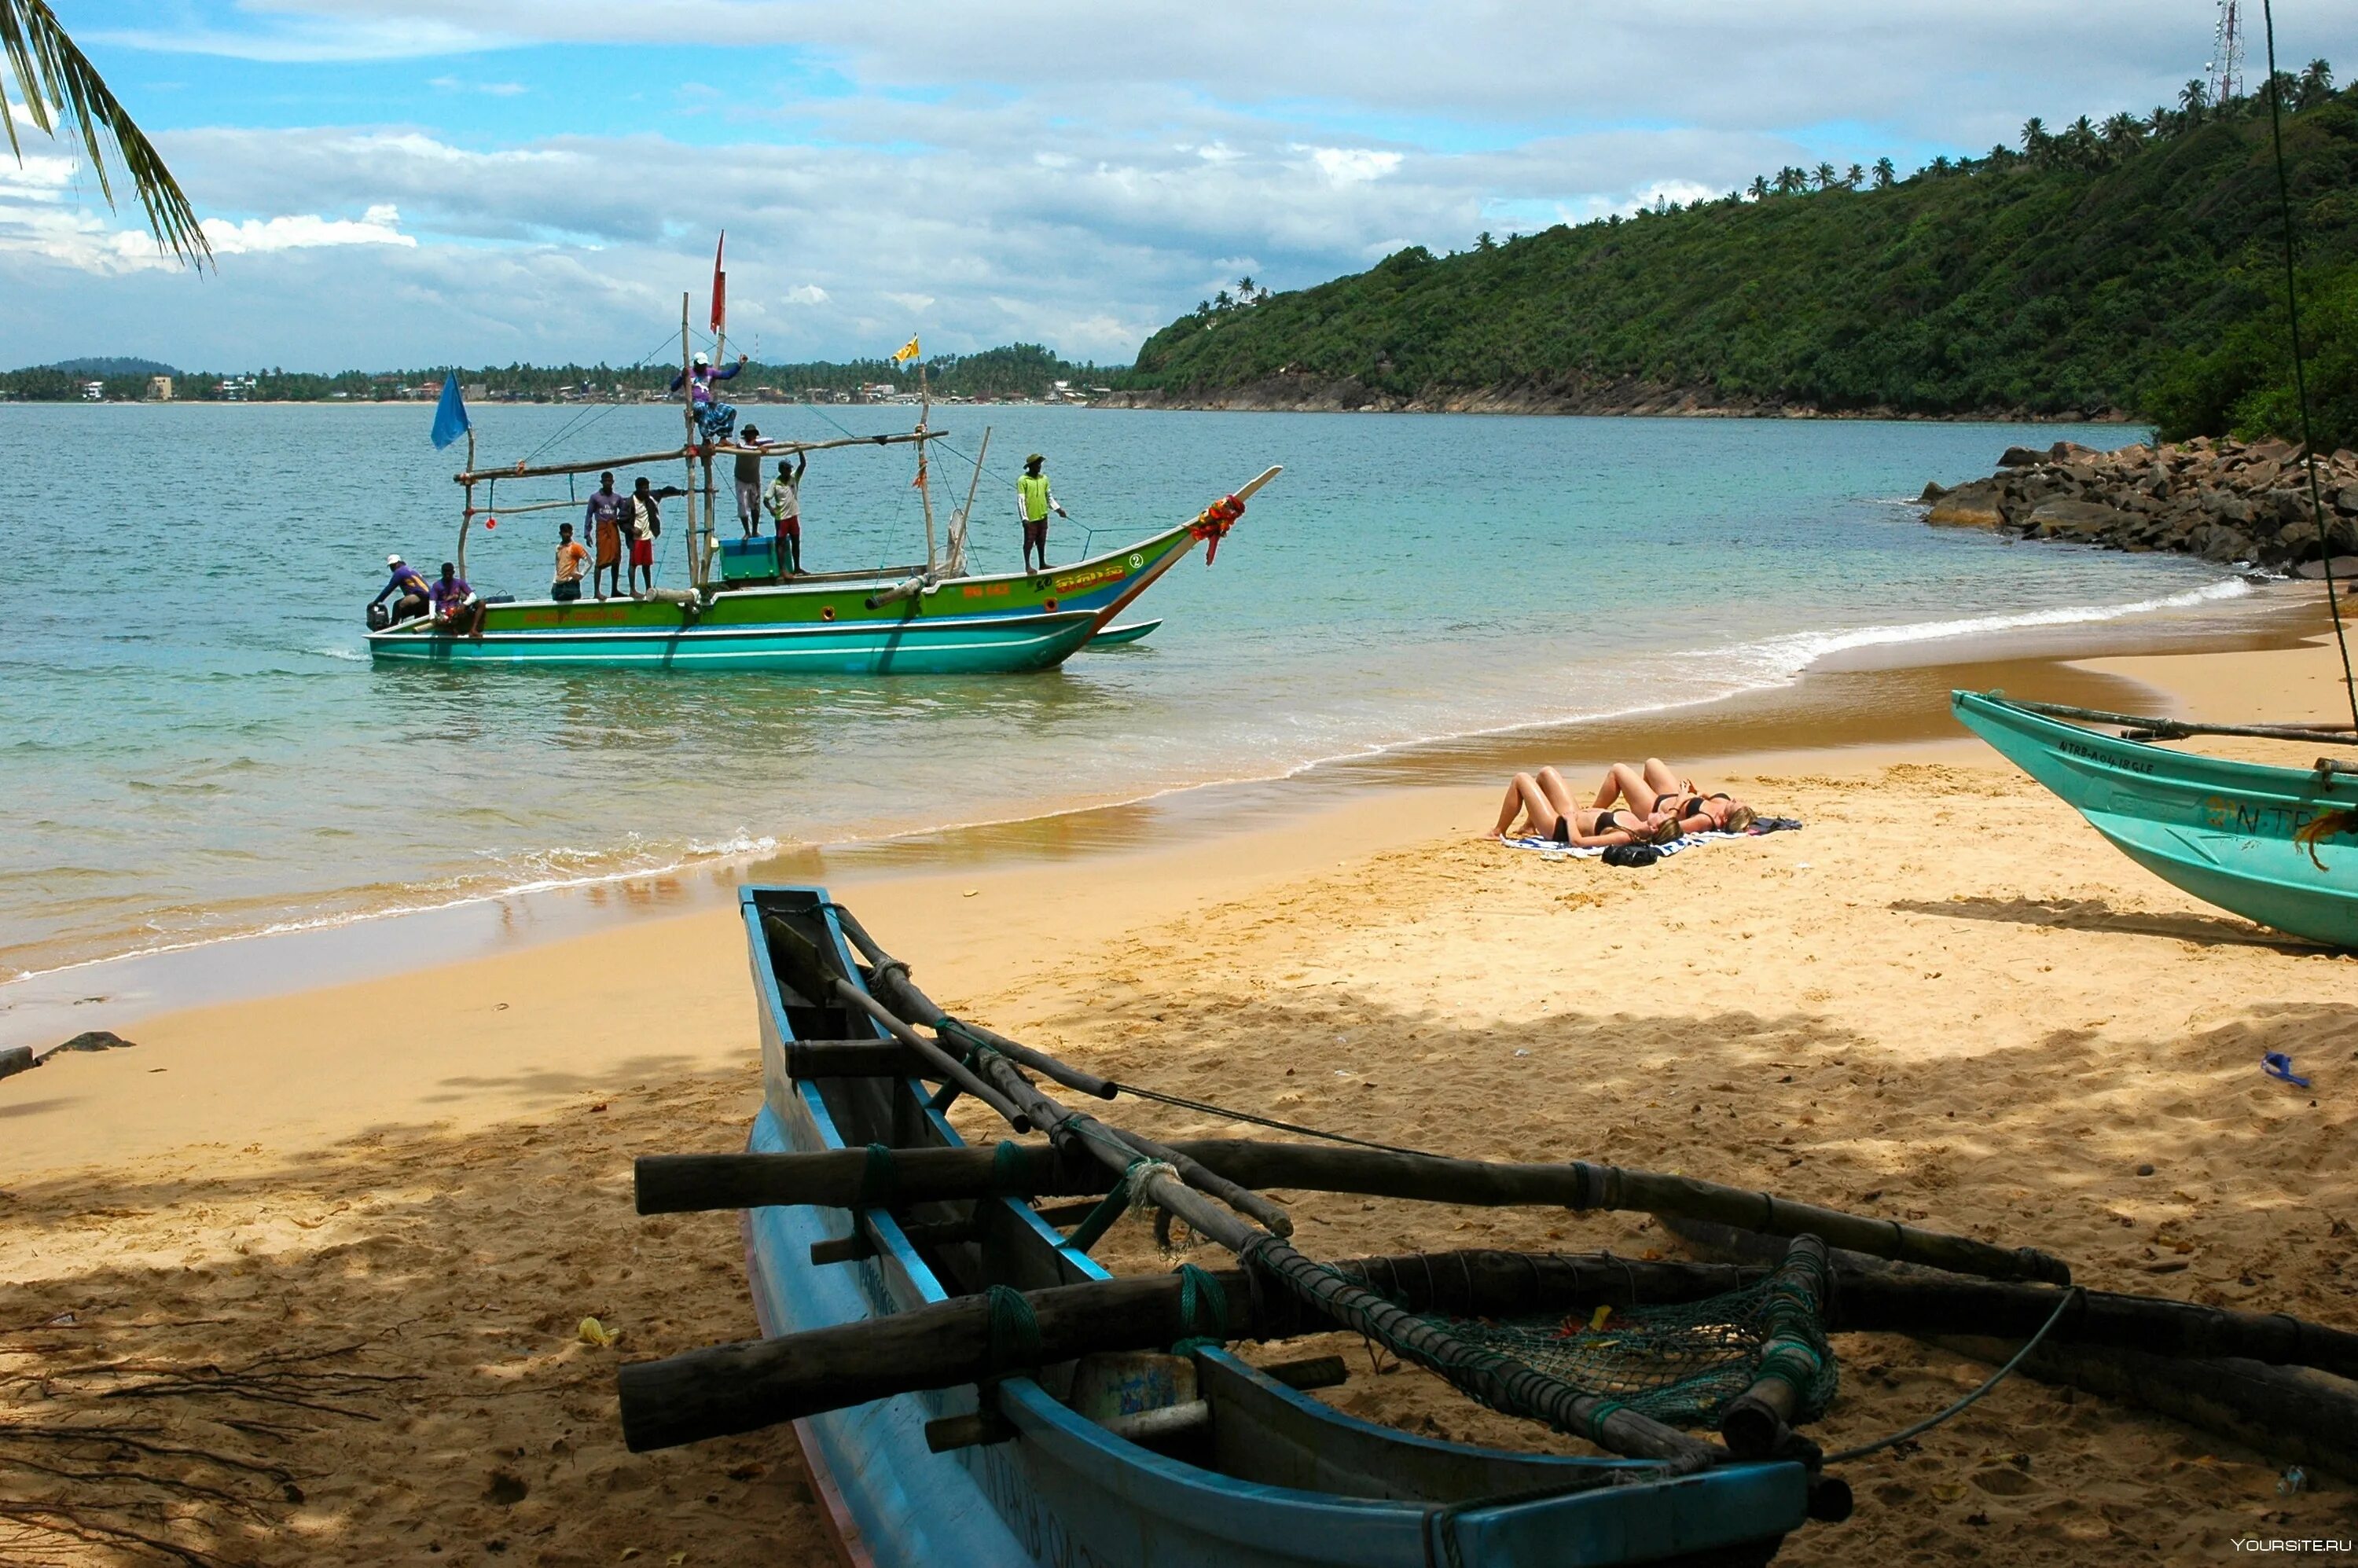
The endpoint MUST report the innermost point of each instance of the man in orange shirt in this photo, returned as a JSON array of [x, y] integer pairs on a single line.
[[572, 560]]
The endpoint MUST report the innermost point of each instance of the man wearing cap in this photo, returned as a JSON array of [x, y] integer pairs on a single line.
[[409, 584], [1033, 502], [714, 418], [748, 483]]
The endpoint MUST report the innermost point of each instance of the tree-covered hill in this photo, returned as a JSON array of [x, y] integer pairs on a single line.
[[2128, 266]]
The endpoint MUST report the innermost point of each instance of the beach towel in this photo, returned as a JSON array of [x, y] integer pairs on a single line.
[[1555, 851]]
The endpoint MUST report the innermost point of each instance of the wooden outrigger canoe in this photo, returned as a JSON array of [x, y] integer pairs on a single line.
[[841, 625], [2274, 845], [1269, 1478]]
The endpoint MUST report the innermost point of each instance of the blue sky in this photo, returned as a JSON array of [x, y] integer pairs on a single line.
[[404, 182]]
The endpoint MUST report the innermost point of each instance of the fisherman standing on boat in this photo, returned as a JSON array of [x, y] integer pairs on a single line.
[[646, 526], [604, 519], [749, 485], [785, 499], [571, 558], [714, 418], [410, 584], [1033, 502]]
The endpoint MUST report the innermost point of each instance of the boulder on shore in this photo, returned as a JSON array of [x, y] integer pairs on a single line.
[[2216, 498], [1973, 506]]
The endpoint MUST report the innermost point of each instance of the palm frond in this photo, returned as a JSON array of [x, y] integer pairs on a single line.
[[58, 83]]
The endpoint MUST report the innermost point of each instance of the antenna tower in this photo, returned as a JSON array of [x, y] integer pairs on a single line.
[[2225, 67]]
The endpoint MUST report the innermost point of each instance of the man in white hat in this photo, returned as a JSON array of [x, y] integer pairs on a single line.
[[409, 584], [714, 418]]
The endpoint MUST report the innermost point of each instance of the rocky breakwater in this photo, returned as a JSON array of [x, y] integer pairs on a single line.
[[2223, 500]]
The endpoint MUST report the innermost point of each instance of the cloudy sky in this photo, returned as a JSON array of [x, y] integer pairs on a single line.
[[406, 182]]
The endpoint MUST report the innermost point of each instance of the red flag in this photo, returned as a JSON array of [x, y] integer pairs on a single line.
[[720, 287]]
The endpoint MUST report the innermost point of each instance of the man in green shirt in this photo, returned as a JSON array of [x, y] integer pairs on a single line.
[[1034, 501]]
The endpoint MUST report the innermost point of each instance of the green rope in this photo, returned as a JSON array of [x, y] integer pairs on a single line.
[[1011, 1169], [1014, 1330], [1202, 1309], [879, 1179]]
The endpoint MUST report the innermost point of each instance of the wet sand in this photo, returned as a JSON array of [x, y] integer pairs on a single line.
[[332, 1249]]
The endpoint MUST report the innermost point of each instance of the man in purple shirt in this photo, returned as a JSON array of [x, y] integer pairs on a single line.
[[456, 609], [409, 584]]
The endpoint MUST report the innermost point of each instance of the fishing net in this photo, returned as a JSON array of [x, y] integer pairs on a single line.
[[1673, 1364], [1680, 1364]]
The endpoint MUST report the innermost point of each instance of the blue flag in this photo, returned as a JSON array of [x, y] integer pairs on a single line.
[[450, 420]]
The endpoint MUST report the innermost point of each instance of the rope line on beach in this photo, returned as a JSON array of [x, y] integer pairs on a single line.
[[2000, 1376], [1253, 1119]]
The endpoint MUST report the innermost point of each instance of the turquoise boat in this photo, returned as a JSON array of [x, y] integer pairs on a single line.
[[2275, 845], [1268, 1476], [934, 618]]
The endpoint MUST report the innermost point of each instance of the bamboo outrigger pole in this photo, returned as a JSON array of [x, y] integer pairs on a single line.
[[549, 471]]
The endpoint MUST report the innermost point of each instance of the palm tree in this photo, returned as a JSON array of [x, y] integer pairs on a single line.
[[2079, 140], [60, 87], [2123, 132], [2193, 100], [1824, 175], [2316, 84], [2159, 122], [1244, 289], [1885, 174], [1759, 189], [1855, 177], [2035, 139]]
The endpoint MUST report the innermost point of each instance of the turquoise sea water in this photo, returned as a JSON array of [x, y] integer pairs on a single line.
[[194, 745]]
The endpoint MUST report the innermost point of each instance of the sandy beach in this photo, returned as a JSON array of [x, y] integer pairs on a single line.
[[313, 1268]]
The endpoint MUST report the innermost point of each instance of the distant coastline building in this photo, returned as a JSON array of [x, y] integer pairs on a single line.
[[159, 389]]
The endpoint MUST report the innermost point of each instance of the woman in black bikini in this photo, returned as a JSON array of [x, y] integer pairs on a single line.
[[1661, 795], [1545, 802]]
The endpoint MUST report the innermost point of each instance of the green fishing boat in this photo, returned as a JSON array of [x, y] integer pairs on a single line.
[[2274, 845], [744, 611]]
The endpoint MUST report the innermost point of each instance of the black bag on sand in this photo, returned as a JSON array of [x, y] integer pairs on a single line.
[[1632, 855]]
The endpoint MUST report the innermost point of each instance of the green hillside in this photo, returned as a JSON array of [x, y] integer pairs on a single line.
[[2128, 266]]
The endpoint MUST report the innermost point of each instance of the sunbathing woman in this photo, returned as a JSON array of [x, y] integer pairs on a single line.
[[1548, 810], [1664, 797]]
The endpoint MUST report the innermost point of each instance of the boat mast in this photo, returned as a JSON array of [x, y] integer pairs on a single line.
[[925, 490], [687, 413], [964, 517], [467, 515]]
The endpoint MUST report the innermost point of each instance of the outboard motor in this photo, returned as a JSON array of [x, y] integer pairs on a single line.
[[380, 616]]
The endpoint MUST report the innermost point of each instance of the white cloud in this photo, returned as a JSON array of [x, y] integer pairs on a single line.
[[805, 294], [378, 226], [1348, 165], [491, 89]]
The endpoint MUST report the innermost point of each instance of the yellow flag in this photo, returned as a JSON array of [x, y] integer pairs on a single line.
[[907, 353]]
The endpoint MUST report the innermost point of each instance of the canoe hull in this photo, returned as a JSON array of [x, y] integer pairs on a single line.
[[1299, 1484], [2219, 830]]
